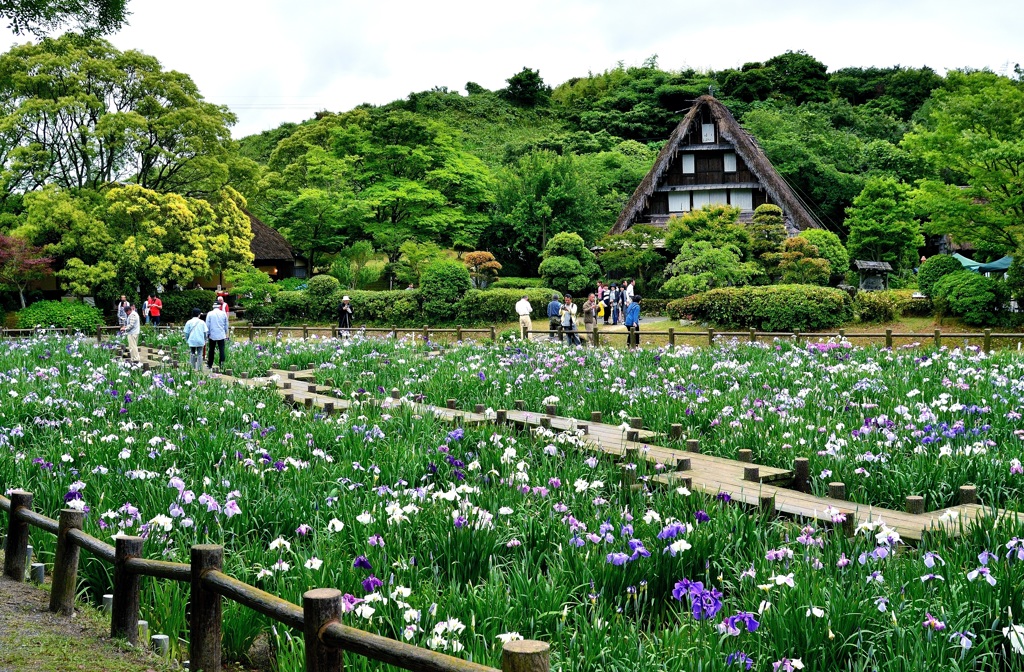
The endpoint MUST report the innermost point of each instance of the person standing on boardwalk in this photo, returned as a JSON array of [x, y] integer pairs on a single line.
[[122, 310], [590, 315], [145, 307], [567, 314], [554, 314], [217, 329], [523, 309], [155, 306], [345, 313], [131, 329], [195, 336], [632, 322]]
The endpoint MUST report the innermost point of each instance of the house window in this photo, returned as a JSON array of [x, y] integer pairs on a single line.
[[679, 201], [700, 199], [730, 162], [707, 132], [742, 198], [718, 197], [687, 164]]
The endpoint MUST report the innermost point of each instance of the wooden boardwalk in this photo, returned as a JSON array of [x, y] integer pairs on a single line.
[[744, 482]]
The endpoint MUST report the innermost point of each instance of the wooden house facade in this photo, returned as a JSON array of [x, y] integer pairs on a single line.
[[711, 160]]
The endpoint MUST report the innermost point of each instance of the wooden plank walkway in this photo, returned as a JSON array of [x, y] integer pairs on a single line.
[[744, 482]]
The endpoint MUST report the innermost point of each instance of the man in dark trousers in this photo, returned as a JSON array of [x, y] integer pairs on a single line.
[[554, 317], [345, 314], [217, 329]]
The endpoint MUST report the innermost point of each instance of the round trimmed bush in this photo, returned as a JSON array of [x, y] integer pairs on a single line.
[[934, 269], [773, 308], [76, 316], [975, 299], [443, 283]]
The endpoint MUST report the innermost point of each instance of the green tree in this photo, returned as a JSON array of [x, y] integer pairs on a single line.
[[882, 225], [38, 17], [800, 263], [702, 265], [526, 88], [415, 258], [767, 233], [252, 285], [829, 248], [935, 268], [568, 265], [78, 113], [717, 224], [972, 134], [21, 264], [633, 253]]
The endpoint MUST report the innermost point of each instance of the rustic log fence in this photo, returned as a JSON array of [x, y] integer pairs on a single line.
[[319, 617]]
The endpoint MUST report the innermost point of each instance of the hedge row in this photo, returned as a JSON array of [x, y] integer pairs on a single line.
[[65, 314], [178, 306], [772, 308]]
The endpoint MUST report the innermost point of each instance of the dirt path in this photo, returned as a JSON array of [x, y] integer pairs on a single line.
[[34, 640]]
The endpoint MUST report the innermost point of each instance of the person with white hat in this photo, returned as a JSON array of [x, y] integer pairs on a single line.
[[345, 313]]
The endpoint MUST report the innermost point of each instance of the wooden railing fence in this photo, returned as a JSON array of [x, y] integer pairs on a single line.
[[319, 617]]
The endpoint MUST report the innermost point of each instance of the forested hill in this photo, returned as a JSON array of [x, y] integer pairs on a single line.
[[519, 164]]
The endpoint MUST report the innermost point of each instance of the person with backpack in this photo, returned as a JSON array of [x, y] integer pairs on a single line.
[[195, 336], [567, 315], [632, 322]]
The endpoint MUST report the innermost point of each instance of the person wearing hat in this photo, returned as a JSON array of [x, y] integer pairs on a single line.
[[345, 313], [632, 322], [217, 329], [567, 314], [554, 313], [523, 309], [195, 336]]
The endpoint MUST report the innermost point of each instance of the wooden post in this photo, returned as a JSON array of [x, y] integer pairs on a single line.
[[752, 474], [801, 473], [426, 333], [796, 336], [520, 405], [693, 445], [501, 416], [636, 423], [205, 621], [450, 403], [745, 455], [888, 338], [915, 504], [988, 340], [320, 607], [334, 332], [595, 417], [968, 494], [525, 655], [632, 435], [753, 336], [16, 548], [458, 333], [65, 564], [494, 334], [711, 336], [766, 503], [671, 335], [837, 490], [99, 334], [124, 617], [395, 394], [675, 431], [938, 338], [683, 464], [842, 334], [550, 409], [328, 407], [479, 408], [597, 337]]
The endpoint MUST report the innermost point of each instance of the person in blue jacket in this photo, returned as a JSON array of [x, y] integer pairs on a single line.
[[632, 322], [554, 317]]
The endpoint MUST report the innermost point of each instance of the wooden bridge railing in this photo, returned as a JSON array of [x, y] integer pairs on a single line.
[[319, 617]]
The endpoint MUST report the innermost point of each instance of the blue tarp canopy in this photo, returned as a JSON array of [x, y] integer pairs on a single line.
[[997, 266], [969, 264]]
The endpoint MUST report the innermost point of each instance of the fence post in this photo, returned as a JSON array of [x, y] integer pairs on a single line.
[[938, 338], [99, 334], [711, 336], [494, 334], [16, 548], [842, 334], [458, 334], [124, 617], [250, 333], [753, 336], [597, 337], [426, 333], [320, 607], [671, 336], [988, 340], [888, 338], [968, 494], [305, 332], [205, 621], [837, 490], [65, 564], [801, 473], [526, 655]]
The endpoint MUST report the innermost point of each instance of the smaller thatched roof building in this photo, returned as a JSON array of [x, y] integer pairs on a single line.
[[709, 160], [273, 254]]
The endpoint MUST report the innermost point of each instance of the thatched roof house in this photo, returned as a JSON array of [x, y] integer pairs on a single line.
[[272, 253], [710, 159]]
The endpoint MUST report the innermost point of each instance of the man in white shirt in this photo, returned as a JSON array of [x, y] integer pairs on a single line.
[[131, 329], [629, 292], [523, 308]]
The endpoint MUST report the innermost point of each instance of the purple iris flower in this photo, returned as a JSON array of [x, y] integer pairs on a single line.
[[372, 583], [362, 563]]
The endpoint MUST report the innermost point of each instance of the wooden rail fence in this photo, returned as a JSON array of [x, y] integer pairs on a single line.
[[319, 617]]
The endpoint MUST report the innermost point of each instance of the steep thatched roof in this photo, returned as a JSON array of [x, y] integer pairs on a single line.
[[267, 244], [796, 213]]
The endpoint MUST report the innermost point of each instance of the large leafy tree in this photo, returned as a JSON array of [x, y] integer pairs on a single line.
[[78, 113], [633, 253], [21, 263], [972, 135], [568, 265], [42, 16], [882, 225]]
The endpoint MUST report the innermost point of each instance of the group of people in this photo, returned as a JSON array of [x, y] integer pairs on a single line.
[[563, 314], [207, 332]]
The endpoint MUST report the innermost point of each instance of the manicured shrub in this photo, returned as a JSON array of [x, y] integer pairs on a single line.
[[885, 306], [649, 307], [178, 305], [391, 308], [516, 283], [499, 305], [292, 306], [773, 308], [261, 314], [915, 307], [319, 292], [975, 299], [442, 284], [830, 248], [77, 316], [934, 269]]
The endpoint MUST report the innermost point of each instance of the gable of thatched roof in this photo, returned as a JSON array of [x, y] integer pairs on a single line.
[[797, 215], [267, 244]]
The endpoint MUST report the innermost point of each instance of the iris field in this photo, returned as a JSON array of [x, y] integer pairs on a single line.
[[457, 539]]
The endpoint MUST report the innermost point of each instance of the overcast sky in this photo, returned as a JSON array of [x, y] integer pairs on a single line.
[[275, 60]]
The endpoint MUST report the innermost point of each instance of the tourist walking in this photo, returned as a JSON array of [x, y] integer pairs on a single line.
[[145, 308], [616, 300], [131, 329], [345, 313], [632, 322], [195, 336], [122, 310], [567, 315], [590, 315], [523, 309], [554, 315], [217, 330], [155, 308]]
